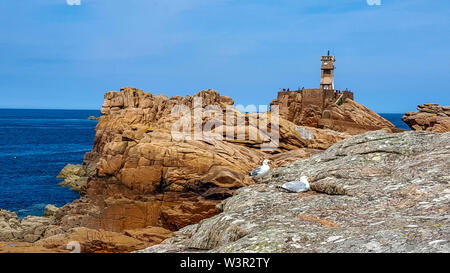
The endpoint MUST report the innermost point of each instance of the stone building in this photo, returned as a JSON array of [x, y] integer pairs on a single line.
[[326, 107], [327, 79]]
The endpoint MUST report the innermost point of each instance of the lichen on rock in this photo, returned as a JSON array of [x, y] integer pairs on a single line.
[[375, 192]]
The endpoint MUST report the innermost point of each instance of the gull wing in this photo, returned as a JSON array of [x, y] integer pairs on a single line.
[[295, 186], [255, 171]]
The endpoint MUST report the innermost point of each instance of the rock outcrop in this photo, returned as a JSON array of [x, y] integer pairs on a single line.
[[22, 247], [430, 117], [139, 183], [85, 240], [144, 177], [77, 176], [50, 210], [30, 229], [74, 177], [375, 192], [42, 234], [329, 110]]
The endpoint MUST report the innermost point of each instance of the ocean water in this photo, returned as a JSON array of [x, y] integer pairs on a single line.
[[396, 119], [34, 146]]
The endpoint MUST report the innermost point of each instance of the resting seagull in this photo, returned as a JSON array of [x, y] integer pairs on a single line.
[[261, 170], [298, 186]]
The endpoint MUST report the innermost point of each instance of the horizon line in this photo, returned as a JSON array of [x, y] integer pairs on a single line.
[[77, 109], [67, 109]]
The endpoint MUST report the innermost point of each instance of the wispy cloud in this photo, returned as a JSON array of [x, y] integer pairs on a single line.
[[239, 47], [73, 2]]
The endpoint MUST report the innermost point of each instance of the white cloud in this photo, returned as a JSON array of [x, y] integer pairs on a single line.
[[73, 2]]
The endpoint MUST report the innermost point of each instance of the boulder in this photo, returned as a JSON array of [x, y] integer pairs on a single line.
[[34, 227], [430, 117], [84, 240], [50, 210], [152, 235], [77, 176], [10, 228], [70, 170], [74, 177], [29, 229], [23, 247]]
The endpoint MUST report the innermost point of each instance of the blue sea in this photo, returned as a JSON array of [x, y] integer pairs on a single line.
[[36, 144], [396, 119]]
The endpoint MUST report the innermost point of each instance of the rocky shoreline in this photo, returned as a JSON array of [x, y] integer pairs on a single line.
[[138, 185]]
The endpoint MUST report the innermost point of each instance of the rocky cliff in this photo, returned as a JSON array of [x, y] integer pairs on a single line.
[[375, 192], [139, 184], [430, 117], [146, 178], [329, 110]]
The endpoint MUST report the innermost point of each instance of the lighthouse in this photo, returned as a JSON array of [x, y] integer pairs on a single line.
[[327, 79]]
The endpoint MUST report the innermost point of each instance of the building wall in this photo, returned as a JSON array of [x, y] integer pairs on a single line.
[[313, 97], [348, 95], [308, 106], [310, 97]]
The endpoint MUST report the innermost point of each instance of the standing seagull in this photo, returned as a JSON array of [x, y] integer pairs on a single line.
[[261, 170]]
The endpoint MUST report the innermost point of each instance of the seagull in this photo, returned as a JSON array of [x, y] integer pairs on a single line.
[[298, 186], [261, 170]]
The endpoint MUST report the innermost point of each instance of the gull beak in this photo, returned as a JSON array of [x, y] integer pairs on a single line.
[[309, 178]]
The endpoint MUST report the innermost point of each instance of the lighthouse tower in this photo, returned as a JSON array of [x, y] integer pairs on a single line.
[[327, 79]]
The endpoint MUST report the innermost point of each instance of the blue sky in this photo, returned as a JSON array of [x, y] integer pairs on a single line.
[[53, 55]]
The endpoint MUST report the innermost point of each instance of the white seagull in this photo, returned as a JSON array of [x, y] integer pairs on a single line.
[[298, 186], [261, 170]]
